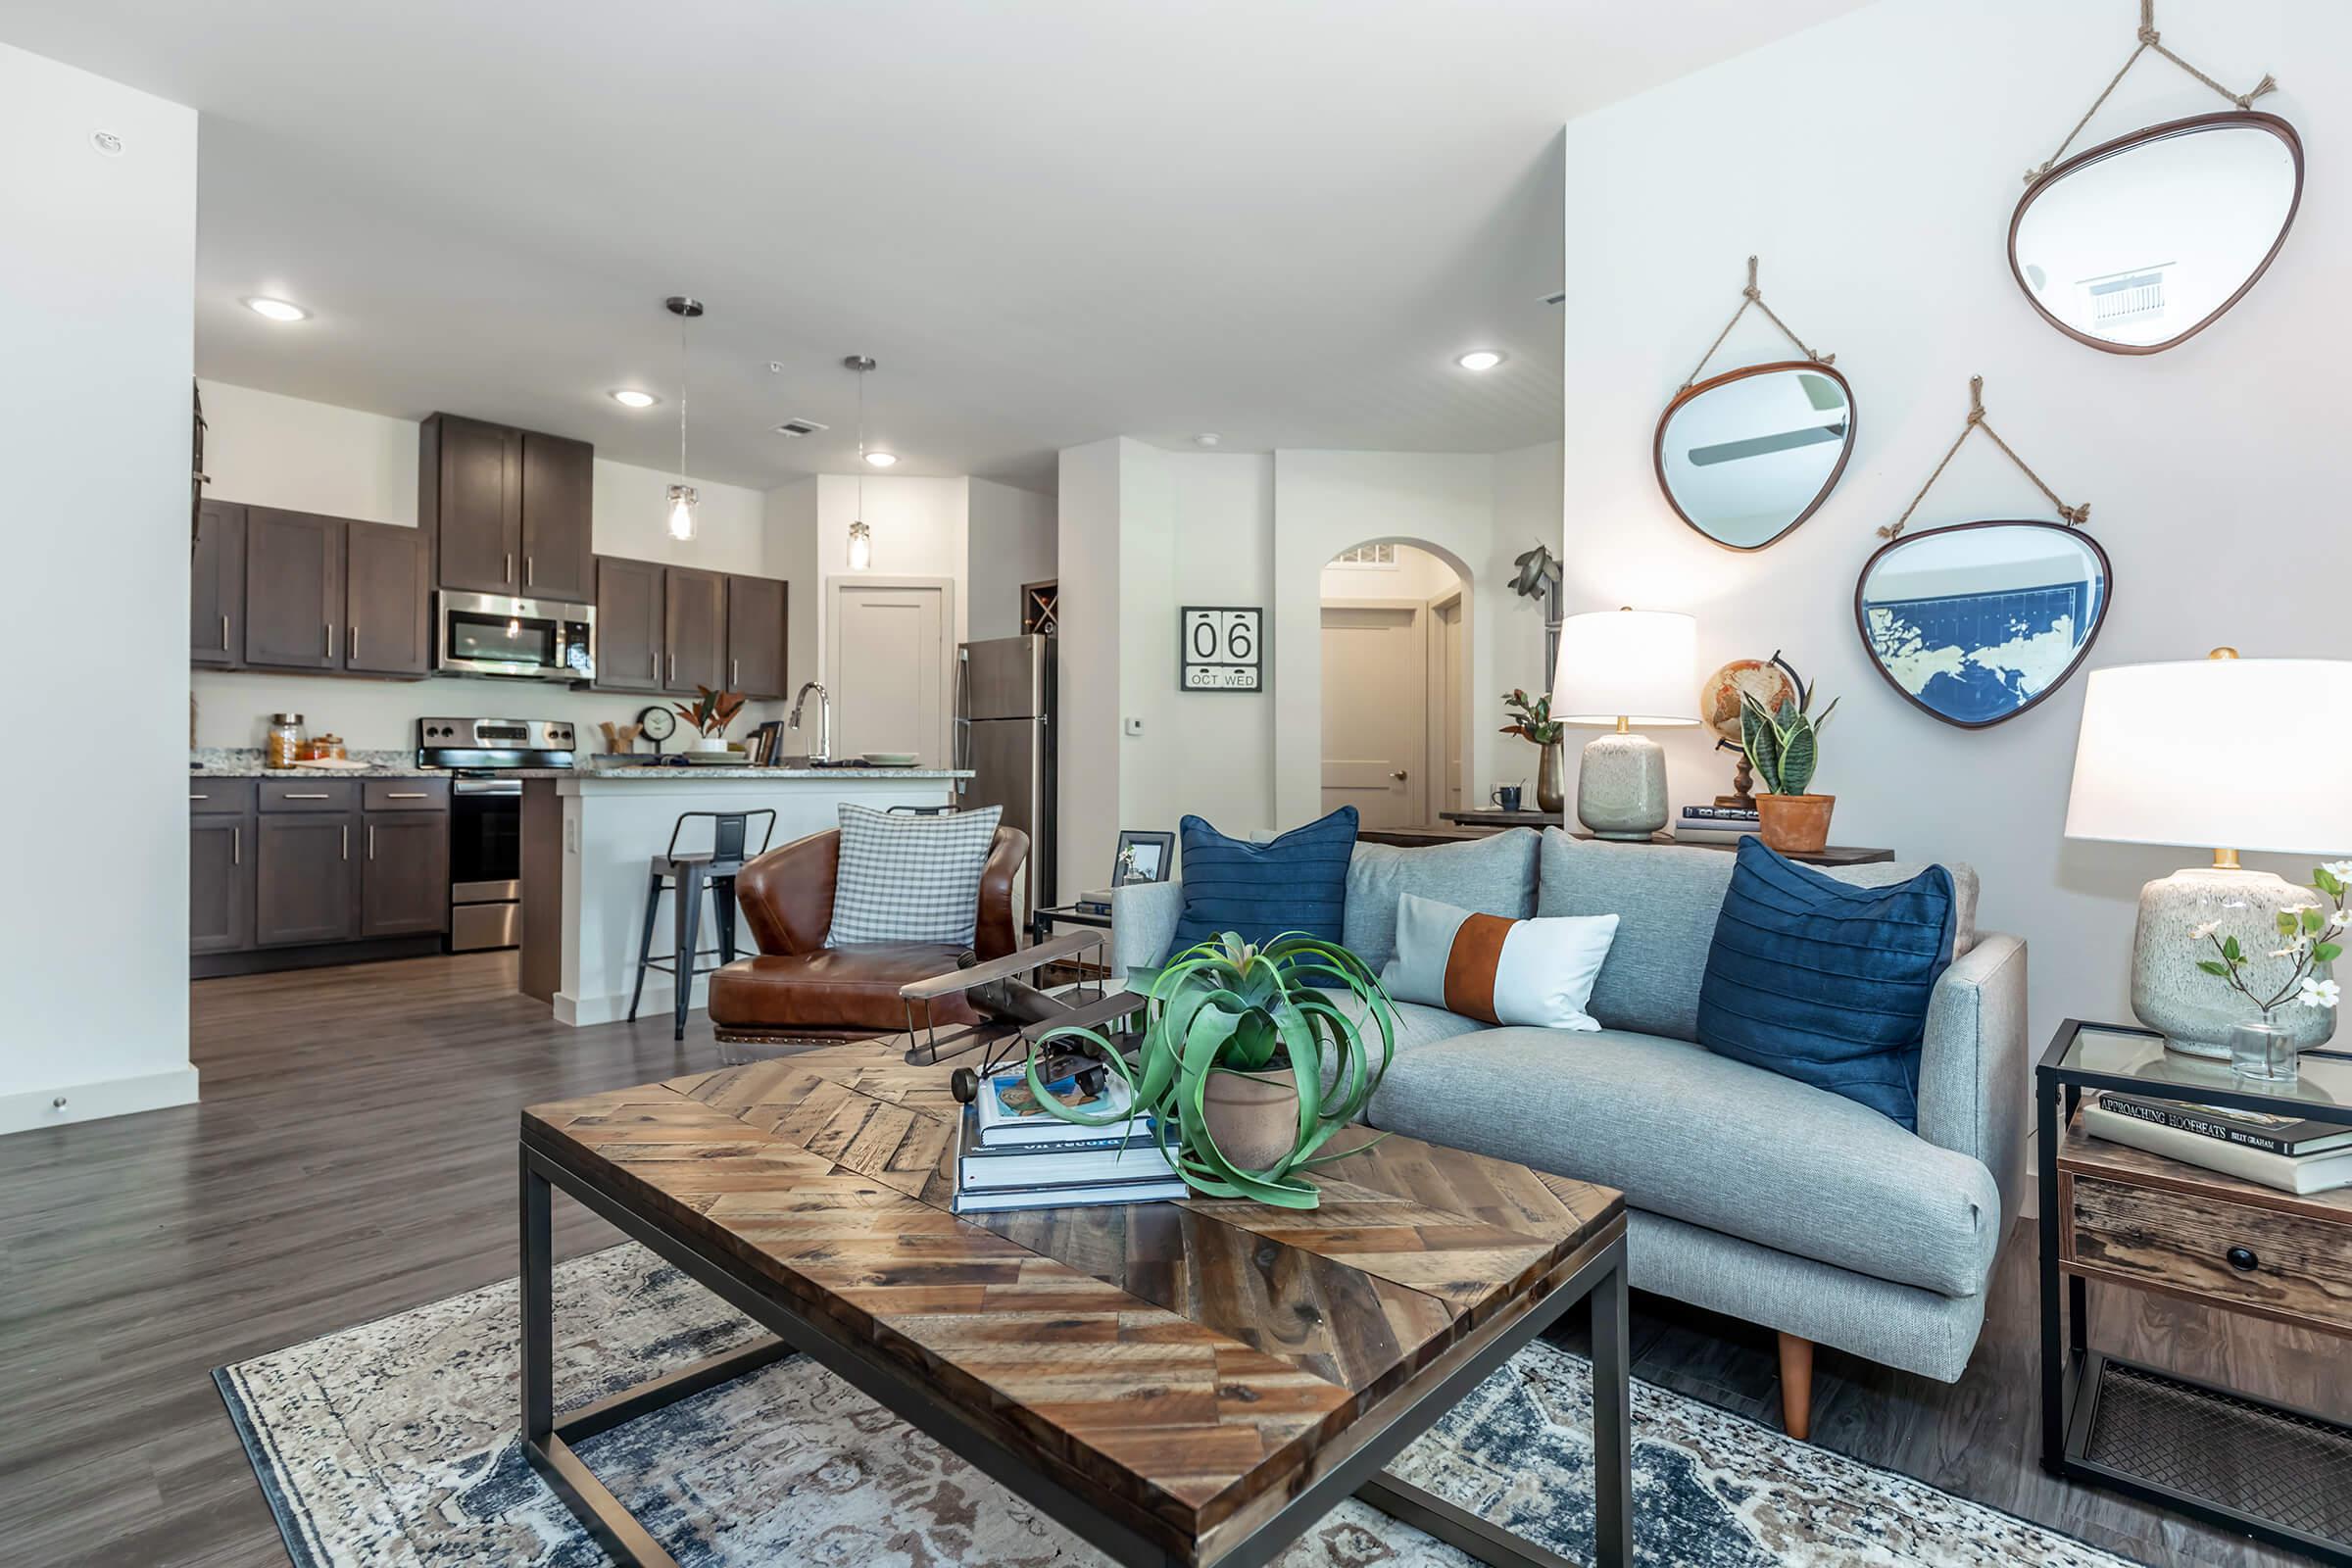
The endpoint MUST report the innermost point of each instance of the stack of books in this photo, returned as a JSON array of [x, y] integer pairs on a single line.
[[1715, 825], [2288, 1153], [1012, 1154]]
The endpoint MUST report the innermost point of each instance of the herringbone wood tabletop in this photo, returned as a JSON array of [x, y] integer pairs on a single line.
[[1185, 1365]]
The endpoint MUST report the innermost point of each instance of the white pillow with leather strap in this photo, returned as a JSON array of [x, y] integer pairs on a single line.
[[907, 878], [1537, 972]]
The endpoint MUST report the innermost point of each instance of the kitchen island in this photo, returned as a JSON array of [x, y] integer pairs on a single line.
[[588, 840]]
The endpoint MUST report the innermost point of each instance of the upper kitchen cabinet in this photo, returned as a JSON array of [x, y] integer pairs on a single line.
[[293, 589], [387, 627], [756, 620], [216, 586], [509, 508], [694, 629], [558, 477], [470, 498], [628, 624]]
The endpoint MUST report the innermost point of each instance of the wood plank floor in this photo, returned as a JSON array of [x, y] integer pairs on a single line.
[[354, 1155]]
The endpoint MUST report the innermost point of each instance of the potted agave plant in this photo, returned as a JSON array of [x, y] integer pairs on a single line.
[[1249, 1061], [710, 713], [1783, 747]]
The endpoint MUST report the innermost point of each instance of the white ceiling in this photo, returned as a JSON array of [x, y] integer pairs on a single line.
[[1050, 220]]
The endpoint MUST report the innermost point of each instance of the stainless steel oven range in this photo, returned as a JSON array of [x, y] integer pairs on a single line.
[[486, 816]]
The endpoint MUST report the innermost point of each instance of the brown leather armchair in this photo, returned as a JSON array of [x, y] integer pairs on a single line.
[[798, 989]]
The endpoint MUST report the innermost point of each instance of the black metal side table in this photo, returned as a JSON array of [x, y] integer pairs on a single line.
[[2121, 1216]]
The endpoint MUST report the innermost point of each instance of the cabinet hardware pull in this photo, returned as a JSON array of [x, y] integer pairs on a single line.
[[372, 841], [654, 668], [408, 794], [236, 846], [530, 570], [734, 673], [351, 643], [224, 634], [294, 795], [674, 670], [329, 629], [2242, 1259], [195, 797], [347, 841], [508, 575]]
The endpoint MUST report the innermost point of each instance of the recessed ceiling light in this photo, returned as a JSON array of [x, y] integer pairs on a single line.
[[881, 460], [1206, 438], [628, 397], [277, 309], [1481, 360]]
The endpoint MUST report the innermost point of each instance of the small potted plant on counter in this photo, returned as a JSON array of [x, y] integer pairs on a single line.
[[1532, 721], [1783, 747], [1247, 1063], [710, 713]]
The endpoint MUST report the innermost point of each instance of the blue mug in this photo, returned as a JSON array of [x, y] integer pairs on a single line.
[[1506, 796]]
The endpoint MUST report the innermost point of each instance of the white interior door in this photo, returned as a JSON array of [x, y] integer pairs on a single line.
[[1376, 713], [1445, 671], [888, 669]]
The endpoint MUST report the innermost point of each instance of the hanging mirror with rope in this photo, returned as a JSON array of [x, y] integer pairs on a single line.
[[1747, 454], [1974, 622], [2142, 242]]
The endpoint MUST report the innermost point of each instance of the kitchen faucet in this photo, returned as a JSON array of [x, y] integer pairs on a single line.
[[824, 720]]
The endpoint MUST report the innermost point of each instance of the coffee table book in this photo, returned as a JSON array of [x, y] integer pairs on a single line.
[[2304, 1174]]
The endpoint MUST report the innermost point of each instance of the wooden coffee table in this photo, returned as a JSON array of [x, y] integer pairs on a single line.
[[1180, 1384]]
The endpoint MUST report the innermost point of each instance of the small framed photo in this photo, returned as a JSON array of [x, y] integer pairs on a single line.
[[1144, 857]]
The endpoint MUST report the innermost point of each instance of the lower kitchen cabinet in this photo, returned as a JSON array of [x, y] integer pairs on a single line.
[[307, 879], [220, 861], [403, 880]]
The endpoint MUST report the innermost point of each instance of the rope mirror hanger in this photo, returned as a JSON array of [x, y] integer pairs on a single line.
[[1752, 295], [2074, 516], [2149, 38]]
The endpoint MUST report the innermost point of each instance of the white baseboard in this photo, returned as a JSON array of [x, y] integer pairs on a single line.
[[583, 1012], [107, 1096]]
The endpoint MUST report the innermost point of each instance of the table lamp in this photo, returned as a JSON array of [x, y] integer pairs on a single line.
[[1623, 668], [2224, 753]]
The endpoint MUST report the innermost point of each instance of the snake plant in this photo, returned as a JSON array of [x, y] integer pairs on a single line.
[[1783, 747], [1227, 1007]]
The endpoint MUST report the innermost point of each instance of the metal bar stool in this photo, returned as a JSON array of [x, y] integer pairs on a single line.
[[693, 872]]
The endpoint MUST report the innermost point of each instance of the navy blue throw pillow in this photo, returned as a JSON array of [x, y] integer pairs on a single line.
[[1826, 982], [1298, 882]]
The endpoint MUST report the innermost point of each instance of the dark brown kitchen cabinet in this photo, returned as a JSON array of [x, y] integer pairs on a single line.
[[387, 629], [307, 878], [558, 482], [404, 878], [216, 586], [755, 622], [628, 624], [694, 629], [470, 498], [220, 867], [293, 589]]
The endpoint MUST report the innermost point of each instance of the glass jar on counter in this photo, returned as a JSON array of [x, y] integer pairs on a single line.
[[283, 748], [325, 747]]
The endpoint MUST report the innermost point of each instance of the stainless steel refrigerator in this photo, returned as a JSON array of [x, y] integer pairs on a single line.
[[1004, 690]]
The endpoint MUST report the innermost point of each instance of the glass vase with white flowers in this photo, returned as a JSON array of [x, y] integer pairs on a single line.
[[2311, 937]]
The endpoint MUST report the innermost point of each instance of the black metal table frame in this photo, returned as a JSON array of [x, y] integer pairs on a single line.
[[548, 1441], [2071, 1373]]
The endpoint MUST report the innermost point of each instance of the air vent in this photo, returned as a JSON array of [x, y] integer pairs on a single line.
[[799, 427]]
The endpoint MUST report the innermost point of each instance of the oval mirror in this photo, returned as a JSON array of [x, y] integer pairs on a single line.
[[1746, 455], [2142, 242], [1978, 621]]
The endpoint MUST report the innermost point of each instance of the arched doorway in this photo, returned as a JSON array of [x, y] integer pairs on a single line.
[[1395, 699]]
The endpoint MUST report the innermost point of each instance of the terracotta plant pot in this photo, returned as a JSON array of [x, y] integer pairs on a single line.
[[1253, 1119], [1794, 824]]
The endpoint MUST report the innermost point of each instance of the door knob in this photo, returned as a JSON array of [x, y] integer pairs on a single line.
[[1399, 775]]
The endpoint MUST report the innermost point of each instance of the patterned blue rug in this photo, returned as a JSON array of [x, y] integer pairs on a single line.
[[392, 1445]]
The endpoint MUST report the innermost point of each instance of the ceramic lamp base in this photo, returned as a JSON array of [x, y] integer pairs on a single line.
[[1621, 787], [2193, 1010]]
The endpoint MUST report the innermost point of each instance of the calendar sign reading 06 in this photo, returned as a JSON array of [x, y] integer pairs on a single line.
[[1222, 650]]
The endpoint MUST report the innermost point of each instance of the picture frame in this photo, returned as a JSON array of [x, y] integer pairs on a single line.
[[1143, 855]]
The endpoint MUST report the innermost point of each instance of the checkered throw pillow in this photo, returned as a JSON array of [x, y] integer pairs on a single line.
[[910, 878]]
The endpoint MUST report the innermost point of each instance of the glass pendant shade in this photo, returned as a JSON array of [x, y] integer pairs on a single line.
[[862, 547], [682, 504]]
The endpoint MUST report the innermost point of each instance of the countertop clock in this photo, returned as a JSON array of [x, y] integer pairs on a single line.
[[658, 724]]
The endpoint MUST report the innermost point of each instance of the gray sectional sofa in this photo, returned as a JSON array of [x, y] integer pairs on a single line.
[[1751, 1193]]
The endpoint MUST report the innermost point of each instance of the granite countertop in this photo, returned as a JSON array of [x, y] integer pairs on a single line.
[[217, 762], [718, 770], [246, 762]]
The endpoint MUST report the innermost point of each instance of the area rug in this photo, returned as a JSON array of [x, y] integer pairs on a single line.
[[392, 1445]]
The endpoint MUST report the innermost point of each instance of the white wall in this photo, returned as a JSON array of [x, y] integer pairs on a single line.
[[97, 293], [2217, 471], [1087, 563], [791, 522], [1011, 538], [269, 450]]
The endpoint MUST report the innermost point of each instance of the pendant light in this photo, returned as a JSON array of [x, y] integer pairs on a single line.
[[861, 537], [683, 499]]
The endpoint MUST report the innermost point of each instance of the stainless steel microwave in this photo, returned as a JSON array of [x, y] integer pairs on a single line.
[[497, 634]]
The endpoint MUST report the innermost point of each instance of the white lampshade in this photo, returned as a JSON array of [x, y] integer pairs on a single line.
[[1641, 665], [2224, 753]]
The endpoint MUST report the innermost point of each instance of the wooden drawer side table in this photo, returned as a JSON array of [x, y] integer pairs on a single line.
[[2114, 1214]]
